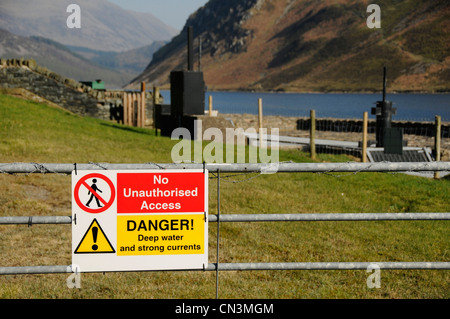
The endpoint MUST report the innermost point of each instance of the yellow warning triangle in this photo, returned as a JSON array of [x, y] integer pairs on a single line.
[[94, 241]]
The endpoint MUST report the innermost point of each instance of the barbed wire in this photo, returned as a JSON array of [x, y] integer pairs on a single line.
[[226, 178], [231, 177], [329, 172], [99, 165], [38, 168]]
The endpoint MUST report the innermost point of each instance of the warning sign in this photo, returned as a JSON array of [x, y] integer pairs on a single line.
[[159, 235], [126, 220], [161, 192], [94, 241], [94, 193]]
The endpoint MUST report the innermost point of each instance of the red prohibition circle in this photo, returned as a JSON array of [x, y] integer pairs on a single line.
[[82, 181]]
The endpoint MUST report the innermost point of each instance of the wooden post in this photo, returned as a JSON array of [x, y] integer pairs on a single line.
[[260, 114], [137, 103], [260, 121], [138, 110], [437, 143], [155, 102], [312, 133], [125, 108], [131, 109], [143, 118], [210, 105], [364, 140]]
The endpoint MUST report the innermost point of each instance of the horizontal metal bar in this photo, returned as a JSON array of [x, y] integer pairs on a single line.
[[328, 217], [36, 270], [329, 266], [29, 168], [34, 220]]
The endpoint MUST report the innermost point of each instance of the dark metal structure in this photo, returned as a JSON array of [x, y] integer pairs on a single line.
[[187, 95], [391, 139]]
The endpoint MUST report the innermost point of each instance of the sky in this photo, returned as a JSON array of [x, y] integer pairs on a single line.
[[172, 12]]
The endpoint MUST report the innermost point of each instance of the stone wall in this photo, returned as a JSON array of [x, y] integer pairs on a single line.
[[67, 93]]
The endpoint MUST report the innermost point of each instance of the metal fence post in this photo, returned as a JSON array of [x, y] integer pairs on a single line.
[[364, 141], [210, 105], [260, 122], [437, 143], [218, 233], [312, 134]]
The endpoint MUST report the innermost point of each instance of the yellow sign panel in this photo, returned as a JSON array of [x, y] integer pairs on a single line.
[[161, 235], [94, 241]]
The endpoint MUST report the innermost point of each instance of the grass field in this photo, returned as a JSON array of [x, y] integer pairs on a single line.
[[33, 132]]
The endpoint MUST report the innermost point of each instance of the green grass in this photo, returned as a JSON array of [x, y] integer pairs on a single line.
[[32, 132]]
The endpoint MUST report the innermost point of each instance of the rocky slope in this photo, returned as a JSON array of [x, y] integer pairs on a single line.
[[306, 45]]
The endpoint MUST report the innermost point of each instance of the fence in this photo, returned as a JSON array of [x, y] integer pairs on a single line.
[[356, 144], [341, 136], [217, 169], [134, 108], [356, 126]]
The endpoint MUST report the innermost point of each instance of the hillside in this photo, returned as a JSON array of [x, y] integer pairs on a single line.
[[60, 59], [301, 45], [104, 26]]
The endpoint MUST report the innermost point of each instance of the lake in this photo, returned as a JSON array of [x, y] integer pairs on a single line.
[[410, 107]]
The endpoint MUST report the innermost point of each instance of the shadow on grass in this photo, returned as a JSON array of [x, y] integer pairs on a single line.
[[138, 130]]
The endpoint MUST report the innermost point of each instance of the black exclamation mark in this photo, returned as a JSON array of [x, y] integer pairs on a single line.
[[94, 234], [192, 224]]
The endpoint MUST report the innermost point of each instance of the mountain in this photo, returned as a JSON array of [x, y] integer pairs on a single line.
[[132, 61], [104, 25], [309, 45], [58, 58]]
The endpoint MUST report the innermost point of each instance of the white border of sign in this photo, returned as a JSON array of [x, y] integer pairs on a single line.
[[105, 262]]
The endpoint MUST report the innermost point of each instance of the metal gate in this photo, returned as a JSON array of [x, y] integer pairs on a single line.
[[217, 169]]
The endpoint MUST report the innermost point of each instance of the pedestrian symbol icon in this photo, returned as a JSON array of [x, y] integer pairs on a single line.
[[96, 190], [94, 193]]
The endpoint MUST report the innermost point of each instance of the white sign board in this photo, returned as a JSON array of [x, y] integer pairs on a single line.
[[139, 220]]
